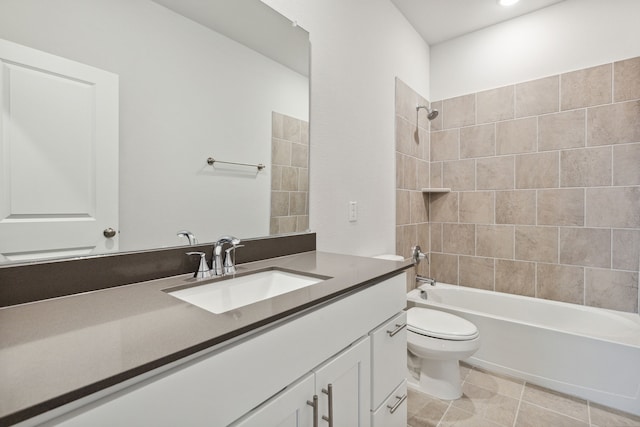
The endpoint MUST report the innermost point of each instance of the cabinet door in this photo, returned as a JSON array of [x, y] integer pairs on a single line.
[[343, 387], [289, 408]]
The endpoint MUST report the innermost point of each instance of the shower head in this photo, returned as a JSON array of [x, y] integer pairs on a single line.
[[431, 114]]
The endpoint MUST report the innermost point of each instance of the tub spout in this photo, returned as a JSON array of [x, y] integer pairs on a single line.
[[428, 280]]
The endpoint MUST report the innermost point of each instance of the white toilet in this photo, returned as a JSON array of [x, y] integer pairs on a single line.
[[436, 342]]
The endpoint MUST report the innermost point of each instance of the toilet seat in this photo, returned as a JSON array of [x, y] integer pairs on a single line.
[[439, 324]]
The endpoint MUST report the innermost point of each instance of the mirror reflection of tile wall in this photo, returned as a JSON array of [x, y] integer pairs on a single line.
[[289, 175]]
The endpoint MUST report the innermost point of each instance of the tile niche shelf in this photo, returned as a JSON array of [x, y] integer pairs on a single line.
[[436, 190]]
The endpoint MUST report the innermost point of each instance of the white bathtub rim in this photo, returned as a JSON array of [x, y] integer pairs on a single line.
[[634, 317], [414, 296]]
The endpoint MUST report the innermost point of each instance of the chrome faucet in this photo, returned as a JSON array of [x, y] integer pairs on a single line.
[[427, 280], [219, 267]]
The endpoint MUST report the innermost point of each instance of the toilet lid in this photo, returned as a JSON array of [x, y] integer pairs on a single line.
[[438, 324]]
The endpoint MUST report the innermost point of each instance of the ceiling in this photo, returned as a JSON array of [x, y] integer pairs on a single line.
[[440, 20], [253, 24], [435, 20]]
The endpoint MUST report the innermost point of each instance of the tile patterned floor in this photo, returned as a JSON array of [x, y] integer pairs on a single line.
[[491, 400]]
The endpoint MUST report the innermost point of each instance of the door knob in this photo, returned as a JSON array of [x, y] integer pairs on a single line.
[[109, 232]]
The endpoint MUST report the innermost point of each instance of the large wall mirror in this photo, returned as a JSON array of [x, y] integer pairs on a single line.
[[196, 79]]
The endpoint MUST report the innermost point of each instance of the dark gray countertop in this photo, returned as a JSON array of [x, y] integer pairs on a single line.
[[58, 350]]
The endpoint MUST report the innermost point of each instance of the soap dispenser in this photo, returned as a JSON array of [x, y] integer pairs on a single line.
[[203, 271]]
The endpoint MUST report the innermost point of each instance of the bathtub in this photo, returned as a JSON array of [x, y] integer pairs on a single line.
[[591, 353]]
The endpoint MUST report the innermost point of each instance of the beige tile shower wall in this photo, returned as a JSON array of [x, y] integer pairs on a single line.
[[545, 179], [289, 175], [412, 175]]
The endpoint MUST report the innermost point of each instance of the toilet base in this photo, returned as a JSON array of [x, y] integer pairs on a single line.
[[438, 378]]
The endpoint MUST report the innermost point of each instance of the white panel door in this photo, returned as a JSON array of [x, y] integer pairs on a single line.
[[58, 156], [343, 387]]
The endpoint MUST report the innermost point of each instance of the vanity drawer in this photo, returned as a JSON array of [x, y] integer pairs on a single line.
[[388, 358], [393, 411]]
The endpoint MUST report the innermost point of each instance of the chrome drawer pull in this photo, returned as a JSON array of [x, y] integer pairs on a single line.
[[397, 329], [329, 393], [314, 404], [393, 408]]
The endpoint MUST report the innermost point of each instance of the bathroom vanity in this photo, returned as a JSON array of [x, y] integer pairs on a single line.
[[136, 355]]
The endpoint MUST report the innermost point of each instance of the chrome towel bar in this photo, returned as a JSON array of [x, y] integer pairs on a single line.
[[211, 161]]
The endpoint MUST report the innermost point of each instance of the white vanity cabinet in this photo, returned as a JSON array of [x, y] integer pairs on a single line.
[[266, 378], [343, 384], [339, 390]]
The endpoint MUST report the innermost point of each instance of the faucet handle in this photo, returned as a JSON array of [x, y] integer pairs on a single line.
[[229, 260], [418, 255], [220, 268], [228, 239], [203, 271]]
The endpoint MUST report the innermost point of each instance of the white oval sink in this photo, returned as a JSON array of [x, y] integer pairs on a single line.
[[222, 296]]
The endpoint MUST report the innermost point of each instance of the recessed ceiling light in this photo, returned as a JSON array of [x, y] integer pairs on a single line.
[[507, 2]]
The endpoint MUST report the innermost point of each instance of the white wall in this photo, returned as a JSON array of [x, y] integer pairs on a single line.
[[567, 36], [186, 93], [358, 47]]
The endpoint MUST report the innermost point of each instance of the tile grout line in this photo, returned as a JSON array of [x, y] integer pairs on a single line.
[[444, 414], [515, 419]]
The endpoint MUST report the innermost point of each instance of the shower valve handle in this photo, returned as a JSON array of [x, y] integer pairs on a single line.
[[418, 255]]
